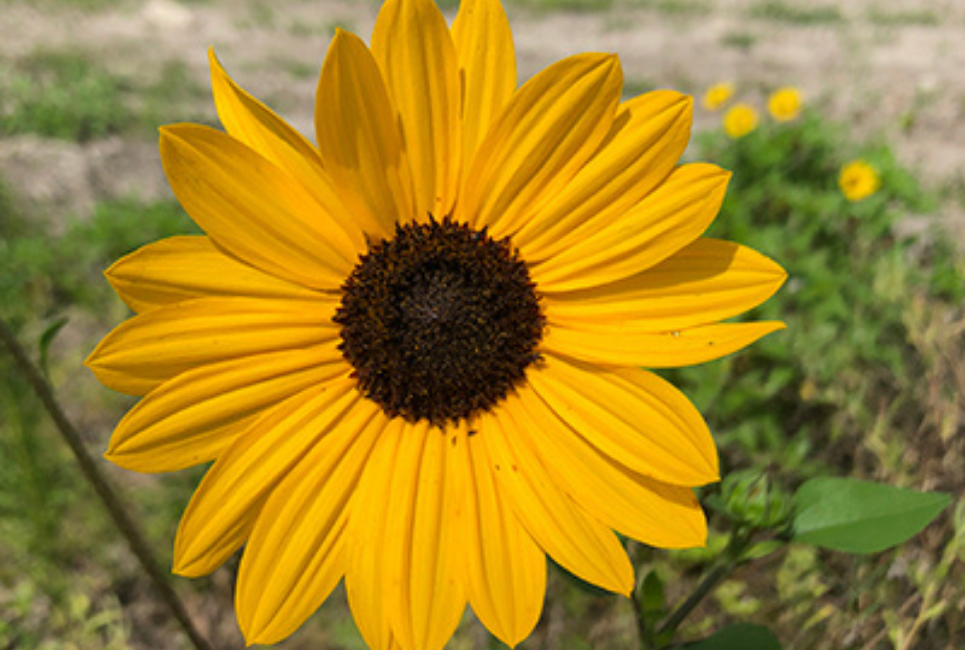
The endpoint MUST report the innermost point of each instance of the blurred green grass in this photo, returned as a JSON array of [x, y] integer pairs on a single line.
[[67, 94], [793, 13]]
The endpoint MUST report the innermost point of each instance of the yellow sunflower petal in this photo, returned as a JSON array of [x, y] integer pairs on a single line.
[[414, 528], [576, 540], [156, 346], [181, 268], [505, 568], [223, 509], [296, 553], [358, 135], [251, 122], [648, 135], [487, 67], [672, 216], [551, 126], [632, 415], [612, 344], [253, 209], [702, 283], [666, 516], [412, 45], [192, 418], [254, 124], [420, 522], [365, 574]]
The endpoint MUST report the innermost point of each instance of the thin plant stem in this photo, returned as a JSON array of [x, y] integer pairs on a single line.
[[711, 580], [643, 630], [135, 539], [723, 567]]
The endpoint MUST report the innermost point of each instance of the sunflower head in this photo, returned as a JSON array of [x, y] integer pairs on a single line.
[[417, 349], [439, 322]]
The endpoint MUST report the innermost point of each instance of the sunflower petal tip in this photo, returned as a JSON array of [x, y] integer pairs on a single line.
[[711, 476], [255, 637], [167, 134], [186, 569], [116, 457], [683, 102], [179, 567]]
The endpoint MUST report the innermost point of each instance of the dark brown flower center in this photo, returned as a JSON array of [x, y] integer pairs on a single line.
[[439, 322]]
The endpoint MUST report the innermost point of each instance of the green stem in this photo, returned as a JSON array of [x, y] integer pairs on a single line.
[[643, 630], [723, 567], [96, 478], [711, 580]]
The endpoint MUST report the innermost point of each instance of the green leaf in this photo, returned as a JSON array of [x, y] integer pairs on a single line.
[[740, 636], [651, 595], [763, 549], [859, 516], [46, 339]]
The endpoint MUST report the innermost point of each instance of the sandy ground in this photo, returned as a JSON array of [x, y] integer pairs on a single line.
[[892, 66]]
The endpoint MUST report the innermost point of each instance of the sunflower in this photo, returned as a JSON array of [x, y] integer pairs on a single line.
[[415, 351]]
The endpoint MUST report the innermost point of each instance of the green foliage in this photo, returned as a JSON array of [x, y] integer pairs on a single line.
[[81, 624], [65, 94], [856, 371], [902, 18], [798, 14], [740, 636], [792, 397], [861, 517], [677, 7], [36, 495], [651, 595], [739, 40], [564, 5], [84, 5], [46, 509], [42, 276], [750, 498]]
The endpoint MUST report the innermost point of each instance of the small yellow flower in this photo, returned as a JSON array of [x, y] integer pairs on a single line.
[[740, 120], [718, 95], [784, 104], [858, 180]]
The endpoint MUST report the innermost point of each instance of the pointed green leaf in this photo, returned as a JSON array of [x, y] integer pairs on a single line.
[[48, 336], [859, 516], [651, 595], [740, 636]]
